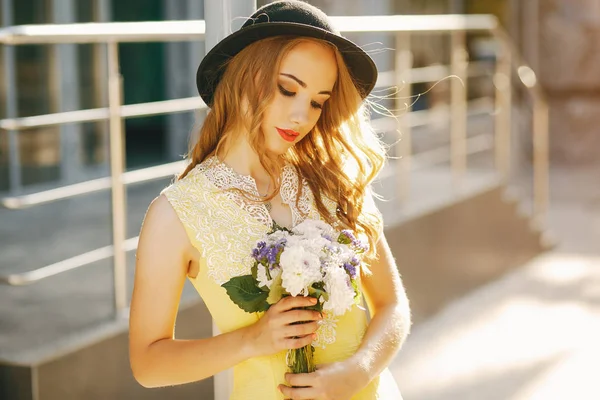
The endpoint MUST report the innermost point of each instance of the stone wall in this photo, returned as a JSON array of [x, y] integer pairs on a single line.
[[569, 68]]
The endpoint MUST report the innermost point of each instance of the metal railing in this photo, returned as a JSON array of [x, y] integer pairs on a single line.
[[403, 76]]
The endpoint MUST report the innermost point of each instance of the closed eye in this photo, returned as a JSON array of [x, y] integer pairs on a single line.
[[287, 93]]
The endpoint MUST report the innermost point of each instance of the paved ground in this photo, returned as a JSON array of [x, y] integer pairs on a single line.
[[532, 335]]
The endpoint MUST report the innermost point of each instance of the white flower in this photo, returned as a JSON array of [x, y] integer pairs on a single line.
[[261, 276], [341, 293], [300, 269], [314, 244], [314, 228], [277, 236]]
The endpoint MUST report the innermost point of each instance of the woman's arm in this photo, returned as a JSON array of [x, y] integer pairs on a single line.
[[390, 316], [157, 359]]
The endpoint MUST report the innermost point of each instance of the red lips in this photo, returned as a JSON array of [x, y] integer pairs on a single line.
[[288, 134]]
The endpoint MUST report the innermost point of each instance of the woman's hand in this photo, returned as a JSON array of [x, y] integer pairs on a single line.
[[275, 331], [335, 381]]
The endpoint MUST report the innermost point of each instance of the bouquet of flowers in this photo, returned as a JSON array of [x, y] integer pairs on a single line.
[[313, 260]]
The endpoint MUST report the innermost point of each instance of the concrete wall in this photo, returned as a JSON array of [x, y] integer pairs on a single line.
[[567, 57]]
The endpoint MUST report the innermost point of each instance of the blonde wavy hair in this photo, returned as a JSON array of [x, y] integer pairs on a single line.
[[338, 158]]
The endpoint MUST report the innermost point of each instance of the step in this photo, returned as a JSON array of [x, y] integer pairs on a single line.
[[533, 334]]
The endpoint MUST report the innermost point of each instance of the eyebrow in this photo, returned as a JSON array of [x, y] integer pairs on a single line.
[[328, 92]]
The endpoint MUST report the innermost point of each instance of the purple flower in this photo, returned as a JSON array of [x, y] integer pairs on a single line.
[[272, 255], [328, 237], [350, 269], [348, 233]]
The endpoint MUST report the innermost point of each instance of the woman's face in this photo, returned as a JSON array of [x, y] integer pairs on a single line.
[[304, 83]]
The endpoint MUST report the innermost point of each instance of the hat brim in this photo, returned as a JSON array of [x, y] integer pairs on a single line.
[[359, 63]]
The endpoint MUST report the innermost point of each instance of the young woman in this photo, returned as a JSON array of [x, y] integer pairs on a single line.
[[284, 140]]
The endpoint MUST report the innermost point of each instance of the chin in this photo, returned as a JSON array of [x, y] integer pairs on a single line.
[[279, 150], [278, 146]]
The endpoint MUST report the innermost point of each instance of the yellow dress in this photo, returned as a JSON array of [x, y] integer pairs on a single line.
[[224, 228]]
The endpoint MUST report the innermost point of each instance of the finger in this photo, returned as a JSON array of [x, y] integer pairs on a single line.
[[298, 393], [292, 316], [299, 342], [300, 330], [300, 379], [287, 303]]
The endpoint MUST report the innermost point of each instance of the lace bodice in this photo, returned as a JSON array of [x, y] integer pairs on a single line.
[[224, 177]]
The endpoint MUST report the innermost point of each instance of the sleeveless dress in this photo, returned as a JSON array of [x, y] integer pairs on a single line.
[[224, 227]]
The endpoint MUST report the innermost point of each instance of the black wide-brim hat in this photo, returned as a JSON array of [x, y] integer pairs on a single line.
[[294, 18]]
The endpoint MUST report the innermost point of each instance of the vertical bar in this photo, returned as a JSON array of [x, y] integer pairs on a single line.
[[117, 155], [218, 16], [503, 88], [196, 51], [10, 84], [102, 13], [458, 107], [404, 61], [541, 164], [182, 72], [65, 94]]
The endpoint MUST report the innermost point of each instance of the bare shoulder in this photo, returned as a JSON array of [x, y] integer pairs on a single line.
[[161, 212], [162, 230]]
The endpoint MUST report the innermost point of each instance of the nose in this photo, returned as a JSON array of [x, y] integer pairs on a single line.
[[299, 112]]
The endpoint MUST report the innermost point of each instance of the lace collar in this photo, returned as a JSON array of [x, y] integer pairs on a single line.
[[225, 178]]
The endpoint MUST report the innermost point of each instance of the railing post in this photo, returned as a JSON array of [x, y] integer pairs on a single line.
[[65, 94], [404, 63], [219, 16], [503, 109], [541, 161], [458, 107], [10, 87], [117, 155]]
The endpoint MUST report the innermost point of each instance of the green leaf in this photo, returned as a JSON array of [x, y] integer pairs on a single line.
[[254, 270], [357, 293], [277, 290], [318, 291], [243, 291], [276, 227]]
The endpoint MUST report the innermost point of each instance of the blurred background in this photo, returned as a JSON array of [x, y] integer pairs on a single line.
[[491, 196]]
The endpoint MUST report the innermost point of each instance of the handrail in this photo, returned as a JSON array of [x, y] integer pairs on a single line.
[[92, 186], [103, 32], [167, 31], [475, 144], [541, 158], [99, 114], [159, 172], [81, 260], [386, 79]]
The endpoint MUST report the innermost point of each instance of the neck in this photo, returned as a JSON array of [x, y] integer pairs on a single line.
[[243, 159]]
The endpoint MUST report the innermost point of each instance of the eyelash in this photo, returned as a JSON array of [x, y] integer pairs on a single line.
[[287, 93]]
